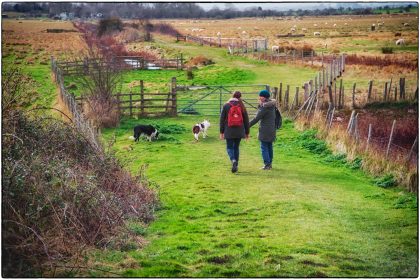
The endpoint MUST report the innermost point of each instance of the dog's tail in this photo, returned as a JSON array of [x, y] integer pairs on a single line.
[[131, 137]]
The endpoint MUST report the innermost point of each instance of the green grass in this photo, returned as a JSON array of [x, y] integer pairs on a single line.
[[46, 91], [311, 216]]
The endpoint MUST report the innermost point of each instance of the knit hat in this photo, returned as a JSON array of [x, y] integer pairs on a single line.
[[264, 93]]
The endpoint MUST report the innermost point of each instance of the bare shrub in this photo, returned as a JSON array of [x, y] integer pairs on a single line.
[[101, 84], [109, 25]]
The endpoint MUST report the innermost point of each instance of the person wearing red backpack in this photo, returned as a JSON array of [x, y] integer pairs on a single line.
[[234, 125]]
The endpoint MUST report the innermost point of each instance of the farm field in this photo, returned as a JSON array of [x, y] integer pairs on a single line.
[[309, 217], [350, 34], [313, 215]]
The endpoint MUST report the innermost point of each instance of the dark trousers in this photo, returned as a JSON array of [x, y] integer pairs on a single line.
[[267, 152], [232, 147]]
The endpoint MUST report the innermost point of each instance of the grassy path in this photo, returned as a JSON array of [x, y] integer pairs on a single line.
[[304, 218]]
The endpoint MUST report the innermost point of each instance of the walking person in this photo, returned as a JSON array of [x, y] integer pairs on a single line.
[[234, 125], [266, 115]]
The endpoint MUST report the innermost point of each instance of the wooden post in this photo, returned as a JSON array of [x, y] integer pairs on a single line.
[[311, 89], [353, 97], [322, 62], [331, 119], [340, 94], [306, 92], [343, 59], [312, 58], [390, 139], [323, 77], [267, 87], [416, 94], [331, 72], [389, 90], [286, 97], [334, 102], [351, 120], [330, 95], [412, 149], [395, 93], [142, 97], [131, 104], [275, 91], [369, 135], [173, 89], [402, 88], [370, 90], [280, 93], [297, 98], [385, 91]]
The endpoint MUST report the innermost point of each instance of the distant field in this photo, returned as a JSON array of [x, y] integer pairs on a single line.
[[337, 32]]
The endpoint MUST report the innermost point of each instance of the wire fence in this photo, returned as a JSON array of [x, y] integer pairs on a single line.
[[86, 127]]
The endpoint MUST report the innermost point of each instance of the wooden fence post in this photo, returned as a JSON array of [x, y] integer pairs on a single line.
[[353, 98], [286, 97], [402, 88], [412, 149], [390, 139], [297, 98], [131, 104], [389, 90], [275, 93], [351, 120], [142, 97], [280, 93], [385, 91], [173, 89], [119, 104], [370, 90], [395, 93], [306, 91], [334, 101], [369, 136]]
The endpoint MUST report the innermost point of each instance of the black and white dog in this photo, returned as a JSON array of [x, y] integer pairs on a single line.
[[147, 130], [201, 128]]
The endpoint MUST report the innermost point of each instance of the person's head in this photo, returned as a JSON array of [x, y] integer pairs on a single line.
[[237, 94], [264, 94]]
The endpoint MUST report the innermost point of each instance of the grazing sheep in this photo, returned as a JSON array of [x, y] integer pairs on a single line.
[[275, 49], [292, 29], [218, 34], [304, 30], [244, 32], [335, 25], [315, 24], [400, 42], [345, 23], [317, 33], [405, 24]]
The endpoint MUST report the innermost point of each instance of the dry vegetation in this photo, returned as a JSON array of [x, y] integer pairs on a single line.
[[29, 39]]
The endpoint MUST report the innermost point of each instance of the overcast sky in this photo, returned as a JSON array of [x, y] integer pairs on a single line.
[[294, 6]]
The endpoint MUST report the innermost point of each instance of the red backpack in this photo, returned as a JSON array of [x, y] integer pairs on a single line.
[[235, 115]]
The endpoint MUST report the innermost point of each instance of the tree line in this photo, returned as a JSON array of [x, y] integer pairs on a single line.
[[174, 10]]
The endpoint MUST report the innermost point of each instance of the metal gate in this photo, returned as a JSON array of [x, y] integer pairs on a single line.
[[209, 100]]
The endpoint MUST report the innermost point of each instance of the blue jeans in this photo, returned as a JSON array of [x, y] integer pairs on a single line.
[[267, 152], [232, 147]]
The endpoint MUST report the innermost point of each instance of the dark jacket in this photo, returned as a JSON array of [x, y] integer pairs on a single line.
[[236, 131], [267, 115]]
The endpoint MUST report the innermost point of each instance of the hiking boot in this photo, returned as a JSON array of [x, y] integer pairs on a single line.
[[266, 167], [234, 166]]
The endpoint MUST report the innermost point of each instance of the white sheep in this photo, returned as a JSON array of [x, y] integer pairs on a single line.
[[292, 29], [315, 24], [334, 25], [317, 33], [304, 29], [406, 24], [400, 42], [218, 34], [275, 49]]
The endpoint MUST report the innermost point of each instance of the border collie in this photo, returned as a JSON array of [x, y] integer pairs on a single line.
[[201, 128], [147, 130]]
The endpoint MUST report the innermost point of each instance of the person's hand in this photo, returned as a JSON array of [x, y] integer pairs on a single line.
[[222, 136]]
